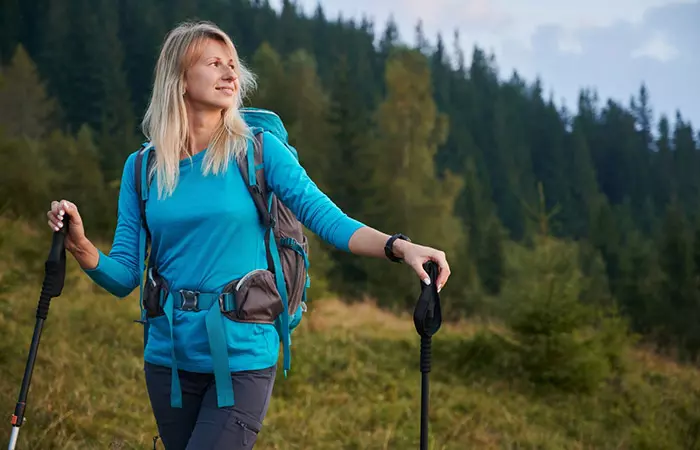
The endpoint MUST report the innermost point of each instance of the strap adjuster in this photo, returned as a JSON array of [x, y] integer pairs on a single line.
[[226, 302], [190, 300]]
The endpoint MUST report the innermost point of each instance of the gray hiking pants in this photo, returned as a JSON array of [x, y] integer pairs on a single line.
[[200, 424]]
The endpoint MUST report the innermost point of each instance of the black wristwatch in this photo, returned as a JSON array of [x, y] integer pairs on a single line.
[[389, 246]]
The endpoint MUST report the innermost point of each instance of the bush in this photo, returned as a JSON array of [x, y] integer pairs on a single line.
[[488, 354], [563, 342]]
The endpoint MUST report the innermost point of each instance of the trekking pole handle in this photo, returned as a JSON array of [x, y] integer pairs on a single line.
[[54, 277], [58, 243], [54, 270]]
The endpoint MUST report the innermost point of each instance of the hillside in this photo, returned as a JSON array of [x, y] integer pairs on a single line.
[[355, 382], [488, 156]]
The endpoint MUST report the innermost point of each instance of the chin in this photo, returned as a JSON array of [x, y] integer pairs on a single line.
[[222, 105]]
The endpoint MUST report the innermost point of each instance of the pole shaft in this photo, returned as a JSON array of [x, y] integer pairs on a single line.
[[54, 278], [425, 396], [13, 438], [425, 356], [18, 417]]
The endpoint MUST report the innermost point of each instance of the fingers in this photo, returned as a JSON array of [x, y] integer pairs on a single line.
[[425, 278], [443, 269], [444, 274], [58, 211], [54, 215]]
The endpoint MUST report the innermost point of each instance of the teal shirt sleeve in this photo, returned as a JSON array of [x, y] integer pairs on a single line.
[[289, 180], [118, 272]]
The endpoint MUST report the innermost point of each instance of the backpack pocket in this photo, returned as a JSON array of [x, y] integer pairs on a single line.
[[256, 298], [294, 258], [155, 289]]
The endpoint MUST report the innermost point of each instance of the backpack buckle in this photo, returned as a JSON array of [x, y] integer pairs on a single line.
[[190, 300]]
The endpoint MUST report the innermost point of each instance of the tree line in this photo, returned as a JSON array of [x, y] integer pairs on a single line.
[[413, 138]]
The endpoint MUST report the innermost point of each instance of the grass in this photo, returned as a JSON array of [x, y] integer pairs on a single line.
[[355, 382]]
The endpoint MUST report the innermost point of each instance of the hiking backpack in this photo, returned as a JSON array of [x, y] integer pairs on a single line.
[[285, 242]]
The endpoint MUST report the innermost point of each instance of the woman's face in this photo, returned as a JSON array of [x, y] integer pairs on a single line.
[[211, 81]]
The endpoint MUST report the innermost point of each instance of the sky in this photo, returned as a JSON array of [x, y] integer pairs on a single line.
[[612, 46]]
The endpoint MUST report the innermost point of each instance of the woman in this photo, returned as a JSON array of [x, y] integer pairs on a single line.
[[205, 232]]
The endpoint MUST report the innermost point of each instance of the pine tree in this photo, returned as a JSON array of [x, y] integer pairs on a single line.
[[687, 165], [681, 302], [77, 176], [350, 167], [268, 66], [10, 26], [638, 284], [141, 30], [26, 110], [406, 195], [24, 186], [307, 123], [665, 183], [561, 339], [485, 232], [296, 35], [511, 174], [421, 43], [584, 195]]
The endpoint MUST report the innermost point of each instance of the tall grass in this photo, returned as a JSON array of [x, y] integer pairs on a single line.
[[354, 384]]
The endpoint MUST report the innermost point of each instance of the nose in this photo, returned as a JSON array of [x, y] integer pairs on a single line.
[[230, 75]]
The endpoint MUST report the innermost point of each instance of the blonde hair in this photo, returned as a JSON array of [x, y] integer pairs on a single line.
[[165, 123]]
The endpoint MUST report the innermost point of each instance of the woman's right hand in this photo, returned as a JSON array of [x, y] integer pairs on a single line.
[[76, 232]]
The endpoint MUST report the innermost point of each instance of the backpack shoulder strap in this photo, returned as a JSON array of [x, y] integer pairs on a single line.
[[141, 179], [141, 171], [253, 171]]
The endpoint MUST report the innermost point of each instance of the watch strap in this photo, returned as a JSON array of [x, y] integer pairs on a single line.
[[389, 246]]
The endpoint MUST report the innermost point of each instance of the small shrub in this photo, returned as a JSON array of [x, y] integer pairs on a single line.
[[563, 342], [488, 354]]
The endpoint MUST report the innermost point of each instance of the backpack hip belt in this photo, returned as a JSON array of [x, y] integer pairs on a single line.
[[159, 300], [252, 298], [216, 306]]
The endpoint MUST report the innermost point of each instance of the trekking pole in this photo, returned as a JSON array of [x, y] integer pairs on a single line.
[[427, 317], [54, 277]]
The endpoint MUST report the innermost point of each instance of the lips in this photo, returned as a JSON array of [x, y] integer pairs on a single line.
[[228, 90]]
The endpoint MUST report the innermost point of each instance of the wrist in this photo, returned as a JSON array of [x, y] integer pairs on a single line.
[[394, 247], [399, 248], [86, 254], [80, 246]]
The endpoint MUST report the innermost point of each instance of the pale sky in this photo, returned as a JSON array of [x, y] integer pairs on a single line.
[[611, 45]]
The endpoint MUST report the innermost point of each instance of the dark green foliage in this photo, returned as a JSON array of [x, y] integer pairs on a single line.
[[429, 141], [562, 341]]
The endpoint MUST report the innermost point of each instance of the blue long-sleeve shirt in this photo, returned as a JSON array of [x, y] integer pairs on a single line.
[[205, 235]]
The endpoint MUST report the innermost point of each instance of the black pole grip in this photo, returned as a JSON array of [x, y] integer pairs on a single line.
[[427, 318], [54, 271], [52, 286]]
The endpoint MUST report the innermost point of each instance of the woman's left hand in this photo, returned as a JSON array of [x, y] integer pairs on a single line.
[[416, 255]]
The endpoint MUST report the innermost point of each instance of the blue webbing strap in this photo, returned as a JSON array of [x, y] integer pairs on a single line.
[[276, 261], [175, 391], [142, 241], [251, 165], [282, 288], [142, 264], [217, 345], [219, 354]]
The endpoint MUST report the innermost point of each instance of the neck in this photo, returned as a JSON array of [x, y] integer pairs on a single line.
[[202, 124]]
